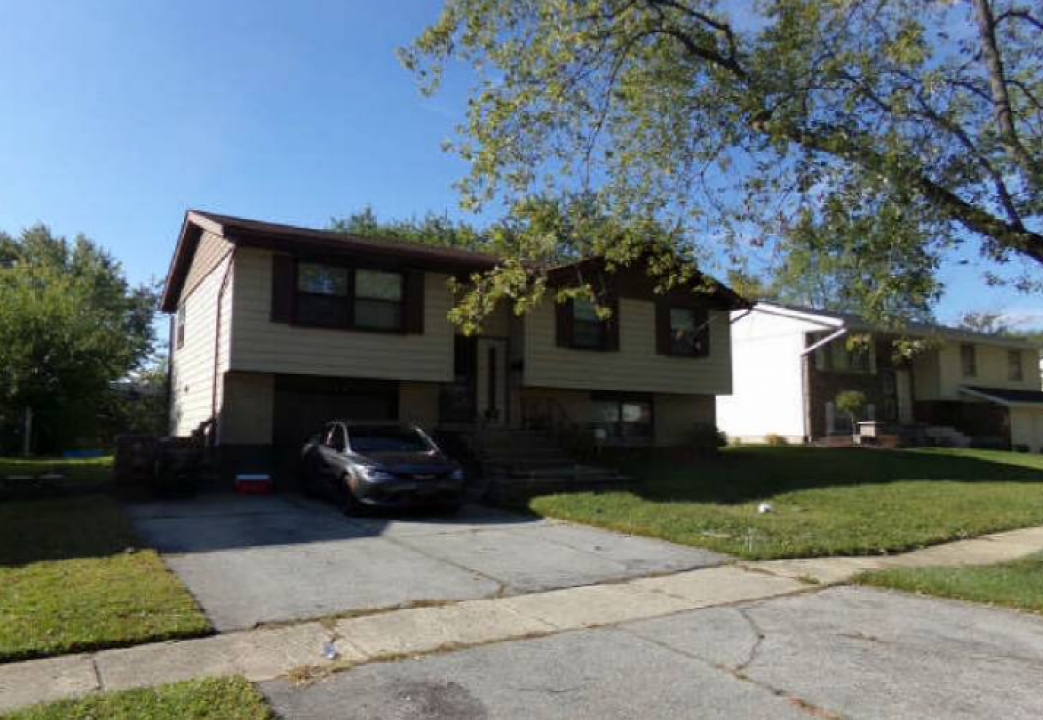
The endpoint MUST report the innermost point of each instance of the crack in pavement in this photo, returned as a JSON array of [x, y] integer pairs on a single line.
[[758, 635]]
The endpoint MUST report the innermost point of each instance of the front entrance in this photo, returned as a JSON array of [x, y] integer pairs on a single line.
[[479, 387], [491, 380], [904, 393]]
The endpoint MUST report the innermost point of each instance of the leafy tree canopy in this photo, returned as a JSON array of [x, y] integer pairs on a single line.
[[869, 137], [70, 325], [431, 229]]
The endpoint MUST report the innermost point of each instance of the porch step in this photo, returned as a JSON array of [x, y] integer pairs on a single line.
[[946, 436]]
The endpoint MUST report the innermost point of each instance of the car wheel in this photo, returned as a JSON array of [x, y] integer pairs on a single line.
[[349, 504]]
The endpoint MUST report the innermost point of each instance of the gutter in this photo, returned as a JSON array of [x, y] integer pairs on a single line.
[[229, 257], [828, 339]]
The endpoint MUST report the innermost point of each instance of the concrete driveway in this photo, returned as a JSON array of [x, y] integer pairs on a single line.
[[251, 560], [842, 652]]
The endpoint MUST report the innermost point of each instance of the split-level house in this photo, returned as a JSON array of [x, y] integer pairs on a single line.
[[790, 363], [277, 330]]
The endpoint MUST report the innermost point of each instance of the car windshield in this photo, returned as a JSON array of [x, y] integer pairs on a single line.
[[386, 439]]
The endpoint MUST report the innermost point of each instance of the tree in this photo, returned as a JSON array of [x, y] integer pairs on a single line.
[[432, 229], [70, 326], [985, 321], [875, 133], [851, 402]]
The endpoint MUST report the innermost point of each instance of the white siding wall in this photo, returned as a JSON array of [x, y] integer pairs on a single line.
[[193, 364], [768, 384], [260, 345], [635, 367]]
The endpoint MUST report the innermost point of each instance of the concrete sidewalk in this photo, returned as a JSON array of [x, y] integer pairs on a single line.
[[269, 653], [984, 550]]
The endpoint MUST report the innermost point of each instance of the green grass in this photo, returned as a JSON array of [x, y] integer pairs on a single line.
[[74, 577], [219, 699], [74, 469], [1016, 584], [826, 501]]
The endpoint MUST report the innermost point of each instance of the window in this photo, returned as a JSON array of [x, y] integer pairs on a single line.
[[836, 356], [621, 417], [378, 300], [180, 331], [1015, 371], [969, 360], [688, 334], [322, 292], [387, 438], [588, 330], [339, 297]]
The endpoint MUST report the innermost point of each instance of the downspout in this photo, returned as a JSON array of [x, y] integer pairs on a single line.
[[172, 348], [229, 257]]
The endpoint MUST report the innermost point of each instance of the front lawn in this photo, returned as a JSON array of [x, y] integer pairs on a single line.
[[74, 577], [219, 699], [74, 470], [1015, 584], [826, 501]]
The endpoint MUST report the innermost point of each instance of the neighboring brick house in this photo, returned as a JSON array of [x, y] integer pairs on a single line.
[[790, 363], [278, 329]]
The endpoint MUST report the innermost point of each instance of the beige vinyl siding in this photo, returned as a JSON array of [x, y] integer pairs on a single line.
[[939, 374], [192, 365], [635, 367], [211, 250], [259, 345], [677, 415], [246, 413]]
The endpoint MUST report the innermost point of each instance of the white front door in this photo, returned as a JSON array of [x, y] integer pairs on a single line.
[[491, 380]]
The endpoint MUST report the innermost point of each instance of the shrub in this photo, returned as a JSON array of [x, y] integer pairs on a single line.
[[706, 436], [775, 440]]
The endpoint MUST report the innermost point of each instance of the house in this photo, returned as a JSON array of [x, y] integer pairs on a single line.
[[789, 364], [277, 329]]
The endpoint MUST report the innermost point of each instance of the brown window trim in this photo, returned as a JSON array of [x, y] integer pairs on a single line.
[[350, 325], [566, 331], [664, 331]]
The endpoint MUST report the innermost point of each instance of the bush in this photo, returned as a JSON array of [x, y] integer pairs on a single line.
[[775, 440], [706, 436]]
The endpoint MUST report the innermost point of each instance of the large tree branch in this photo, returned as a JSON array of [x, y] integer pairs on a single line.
[[1011, 234], [839, 143], [1003, 112]]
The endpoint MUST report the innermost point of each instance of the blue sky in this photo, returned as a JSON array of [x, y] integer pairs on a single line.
[[118, 115]]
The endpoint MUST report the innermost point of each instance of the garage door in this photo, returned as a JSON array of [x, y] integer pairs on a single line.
[[304, 404], [1026, 428]]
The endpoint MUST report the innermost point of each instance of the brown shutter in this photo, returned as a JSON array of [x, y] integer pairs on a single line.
[[563, 317], [283, 283], [413, 296], [612, 325], [662, 327], [702, 318]]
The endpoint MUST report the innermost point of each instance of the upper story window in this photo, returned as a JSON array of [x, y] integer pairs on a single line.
[[378, 300], [836, 356], [588, 330], [180, 328], [337, 296], [1015, 371], [322, 293], [969, 360], [689, 334]]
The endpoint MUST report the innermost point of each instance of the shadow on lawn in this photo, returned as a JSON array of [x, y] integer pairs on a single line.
[[752, 473]]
